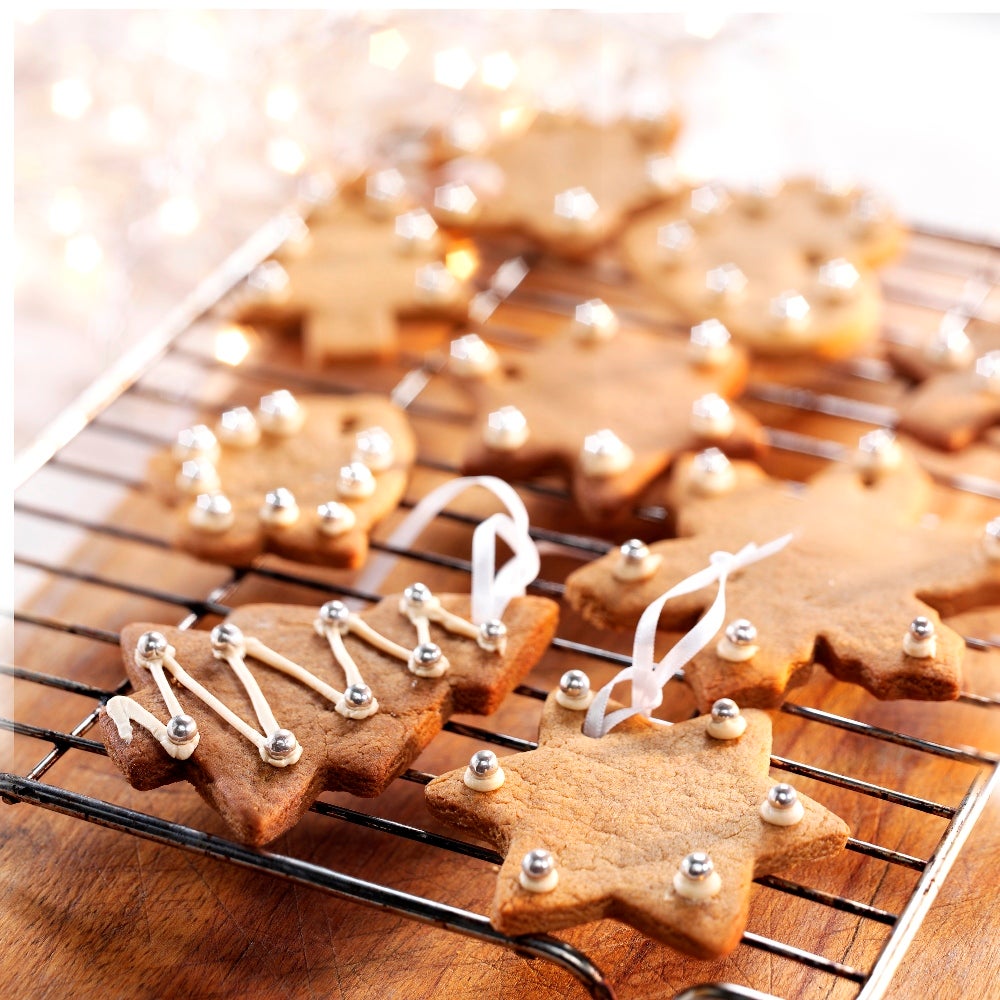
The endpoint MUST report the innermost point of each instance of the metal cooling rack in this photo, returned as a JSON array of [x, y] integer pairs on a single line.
[[939, 255]]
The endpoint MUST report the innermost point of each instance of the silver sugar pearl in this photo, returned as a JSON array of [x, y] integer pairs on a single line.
[[226, 638], [674, 237], [537, 864], [697, 866], [335, 613], [427, 654], [280, 499], [151, 646], [993, 529], [603, 443], [358, 696], [181, 729], [710, 408], [196, 441], [435, 281], [838, 277], [741, 632], [237, 422], [877, 443], [373, 446], [281, 744], [484, 764], [710, 199], [726, 280], [455, 198], [417, 594], [355, 480], [214, 504], [634, 551], [385, 187], [574, 683], [725, 709], [921, 627], [790, 309], [710, 335], [711, 462], [492, 632], [782, 796], [575, 205], [416, 228], [279, 405], [333, 512]]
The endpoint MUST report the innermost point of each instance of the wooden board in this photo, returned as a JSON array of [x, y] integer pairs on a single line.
[[86, 911]]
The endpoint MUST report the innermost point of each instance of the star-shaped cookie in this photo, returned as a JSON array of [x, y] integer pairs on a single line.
[[566, 183], [957, 399], [859, 588], [363, 262], [619, 815], [303, 477], [260, 800], [608, 412], [787, 270]]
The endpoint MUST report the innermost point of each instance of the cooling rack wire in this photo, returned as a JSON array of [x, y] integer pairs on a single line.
[[100, 446]]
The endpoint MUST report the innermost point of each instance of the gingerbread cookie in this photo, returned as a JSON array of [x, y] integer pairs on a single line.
[[358, 264], [661, 827], [280, 703], [859, 588], [788, 270], [607, 408], [304, 478], [957, 399], [567, 184]]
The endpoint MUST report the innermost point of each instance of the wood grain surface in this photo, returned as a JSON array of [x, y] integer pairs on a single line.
[[90, 912]]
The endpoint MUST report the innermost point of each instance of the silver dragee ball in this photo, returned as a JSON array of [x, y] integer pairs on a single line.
[[492, 631], [484, 763], [634, 550], [335, 612], [226, 638], [725, 708], [782, 796], [417, 593], [281, 743], [427, 654], [181, 729], [741, 632], [151, 645], [574, 683], [538, 863], [697, 866], [358, 696], [921, 628]]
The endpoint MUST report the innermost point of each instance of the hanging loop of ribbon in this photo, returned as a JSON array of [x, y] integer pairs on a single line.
[[491, 589], [649, 676]]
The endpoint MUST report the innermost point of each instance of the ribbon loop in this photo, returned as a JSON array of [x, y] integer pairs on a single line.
[[491, 589], [649, 677]]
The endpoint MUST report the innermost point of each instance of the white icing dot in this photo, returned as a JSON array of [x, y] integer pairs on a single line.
[[605, 454], [711, 417]]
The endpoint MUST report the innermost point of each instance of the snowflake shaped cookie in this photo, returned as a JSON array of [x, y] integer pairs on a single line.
[[859, 588], [305, 478], [788, 270]]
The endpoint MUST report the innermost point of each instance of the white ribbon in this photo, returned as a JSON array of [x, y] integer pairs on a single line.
[[649, 677], [491, 589]]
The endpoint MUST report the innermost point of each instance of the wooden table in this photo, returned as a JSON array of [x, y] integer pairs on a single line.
[[86, 911]]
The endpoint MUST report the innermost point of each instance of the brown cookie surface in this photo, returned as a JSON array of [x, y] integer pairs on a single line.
[[863, 564], [788, 271], [566, 183], [957, 398], [302, 447], [260, 801], [360, 263], [620, 813], [607, 414]]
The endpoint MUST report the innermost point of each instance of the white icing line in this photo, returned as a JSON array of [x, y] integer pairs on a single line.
[[265, 654], [155, 668], [261, 706], [364, 631], [340, 653], [453, 623], [123, 711]]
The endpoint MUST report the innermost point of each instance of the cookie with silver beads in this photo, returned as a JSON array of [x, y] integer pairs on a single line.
[[567, 184], [305, 477], [887, 574], [789, 268], [350, 270], [564, 409], [632, 826], [281, 702]]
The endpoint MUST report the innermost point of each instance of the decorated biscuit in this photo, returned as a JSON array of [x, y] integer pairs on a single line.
[[280, 702], [661, 827], [305, 478], [788, 269], [568, 184], [957, 399], [606, 407], [348, 273], [859, 587]]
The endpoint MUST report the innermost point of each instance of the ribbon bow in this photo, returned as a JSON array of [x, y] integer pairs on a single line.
[[491, 589], [648, 677]]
